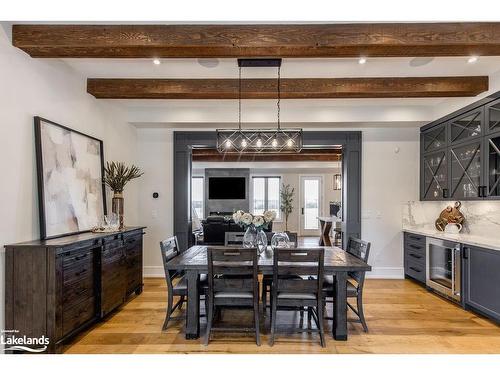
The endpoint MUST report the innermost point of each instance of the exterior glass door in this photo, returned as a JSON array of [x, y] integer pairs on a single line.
[[310, 202]]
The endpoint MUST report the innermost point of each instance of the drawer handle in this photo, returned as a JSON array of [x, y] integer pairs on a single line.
[[81, 272], [416, 247], [415, 238], [415, 256], [414, 269], [80, 257]]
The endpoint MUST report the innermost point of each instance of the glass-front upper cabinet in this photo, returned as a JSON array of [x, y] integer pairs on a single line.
[[492, 162], [466, 170], [493, 117], [434, 176], [434, 139], [467, 126]]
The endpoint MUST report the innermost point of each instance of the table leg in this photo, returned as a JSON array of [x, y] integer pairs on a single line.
[[340, 313], [193, 306]]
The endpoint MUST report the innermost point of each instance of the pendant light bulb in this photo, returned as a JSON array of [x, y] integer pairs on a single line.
[[228, 144], [244, 143], [289, 143], [274, 143], [258, 143]]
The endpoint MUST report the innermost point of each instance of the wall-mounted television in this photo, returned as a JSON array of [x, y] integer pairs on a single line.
[[227, 188]]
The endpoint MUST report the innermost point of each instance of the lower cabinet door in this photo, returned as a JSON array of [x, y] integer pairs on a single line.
[[113, 284], [482, 280]]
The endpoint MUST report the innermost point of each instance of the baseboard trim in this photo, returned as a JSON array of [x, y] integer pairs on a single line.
[[375, 273], [386, 273], [153, 271]]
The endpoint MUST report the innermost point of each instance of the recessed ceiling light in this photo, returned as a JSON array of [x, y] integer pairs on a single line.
[[362, 60], [420, 61], [472, 59], [208, 63], [156, 61]]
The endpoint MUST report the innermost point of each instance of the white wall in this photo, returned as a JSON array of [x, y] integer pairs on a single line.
[[47, 88], [389, 180]]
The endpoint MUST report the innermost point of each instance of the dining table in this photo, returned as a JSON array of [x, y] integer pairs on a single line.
[[337, 262]]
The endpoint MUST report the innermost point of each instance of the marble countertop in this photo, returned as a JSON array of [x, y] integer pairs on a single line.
[[467, 239]]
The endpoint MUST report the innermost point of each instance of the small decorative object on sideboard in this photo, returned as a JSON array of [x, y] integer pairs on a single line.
[[110, 224], [451, 219], [254, 226], [117, 175]]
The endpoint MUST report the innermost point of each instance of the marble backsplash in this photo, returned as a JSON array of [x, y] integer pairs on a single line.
[[481, 218]]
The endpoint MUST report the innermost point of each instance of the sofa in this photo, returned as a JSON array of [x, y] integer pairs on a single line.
[[215, 228]]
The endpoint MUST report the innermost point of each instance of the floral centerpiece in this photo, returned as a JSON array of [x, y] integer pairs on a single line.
[[254, 226]]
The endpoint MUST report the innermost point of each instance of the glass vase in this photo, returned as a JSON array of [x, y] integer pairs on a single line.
[[255, 238], [117, 207]]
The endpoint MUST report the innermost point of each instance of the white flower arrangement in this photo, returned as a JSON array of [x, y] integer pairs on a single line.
[[246, 219]]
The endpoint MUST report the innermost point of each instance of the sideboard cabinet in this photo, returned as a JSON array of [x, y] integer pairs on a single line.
[[460, 154], [56, 288]]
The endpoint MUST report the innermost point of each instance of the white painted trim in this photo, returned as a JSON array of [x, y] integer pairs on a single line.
[[153, 271], [386, 273]]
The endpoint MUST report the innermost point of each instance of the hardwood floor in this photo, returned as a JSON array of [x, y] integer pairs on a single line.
[[402, 317]]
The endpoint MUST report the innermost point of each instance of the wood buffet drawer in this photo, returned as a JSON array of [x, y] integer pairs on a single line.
[[75, 293], [78, 271], [75, 316]]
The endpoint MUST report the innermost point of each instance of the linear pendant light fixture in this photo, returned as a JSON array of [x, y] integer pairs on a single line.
[[259, 140]]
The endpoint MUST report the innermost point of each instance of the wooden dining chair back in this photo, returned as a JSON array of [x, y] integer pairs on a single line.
[[232, 282], [176, 282], [298, 292], [360, 249]]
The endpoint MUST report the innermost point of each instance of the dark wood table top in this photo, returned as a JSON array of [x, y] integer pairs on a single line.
[[336, 259]]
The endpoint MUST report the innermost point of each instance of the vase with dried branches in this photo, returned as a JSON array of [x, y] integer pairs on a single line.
[[116, 176]]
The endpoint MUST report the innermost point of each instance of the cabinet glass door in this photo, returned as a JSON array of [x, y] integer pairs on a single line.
[[434, 139], [435, 176], [493, 166], [466, 126], [493, 117], [465, 171]]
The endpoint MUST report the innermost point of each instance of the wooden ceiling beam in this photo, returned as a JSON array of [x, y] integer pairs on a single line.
[[304, 155], [291, 88], [275, 40]]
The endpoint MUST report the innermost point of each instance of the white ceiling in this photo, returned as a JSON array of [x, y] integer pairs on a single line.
[[291, 68], [414, 111]]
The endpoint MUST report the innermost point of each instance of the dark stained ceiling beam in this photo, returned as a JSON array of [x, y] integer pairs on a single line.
[[291, 88], [304, 155], [279, 40]]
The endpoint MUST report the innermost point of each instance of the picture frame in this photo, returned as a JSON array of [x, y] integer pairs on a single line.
[[70, 171]]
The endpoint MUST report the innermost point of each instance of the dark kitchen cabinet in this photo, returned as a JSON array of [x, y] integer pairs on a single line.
[[460, 154], [491, 188], [492, 120], [467, 126], [434, 139], [434, 176], [482, 280], [58, 287], [415, 256], [466, 170]]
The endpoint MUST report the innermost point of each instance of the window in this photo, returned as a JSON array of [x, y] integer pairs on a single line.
[[266, 195], [197, 185]]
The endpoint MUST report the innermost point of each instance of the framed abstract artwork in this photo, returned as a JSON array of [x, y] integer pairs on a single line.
[[70, 168]]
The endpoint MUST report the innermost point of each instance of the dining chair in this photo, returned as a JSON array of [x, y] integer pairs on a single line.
[[176, 280], [233, 238], [232, 283], [360, 249], [298, 294]]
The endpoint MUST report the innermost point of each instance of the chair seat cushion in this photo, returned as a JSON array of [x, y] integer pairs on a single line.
[[286, 295], [233, 295]]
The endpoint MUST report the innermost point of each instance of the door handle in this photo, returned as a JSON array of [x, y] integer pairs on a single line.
[[302, 210]]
